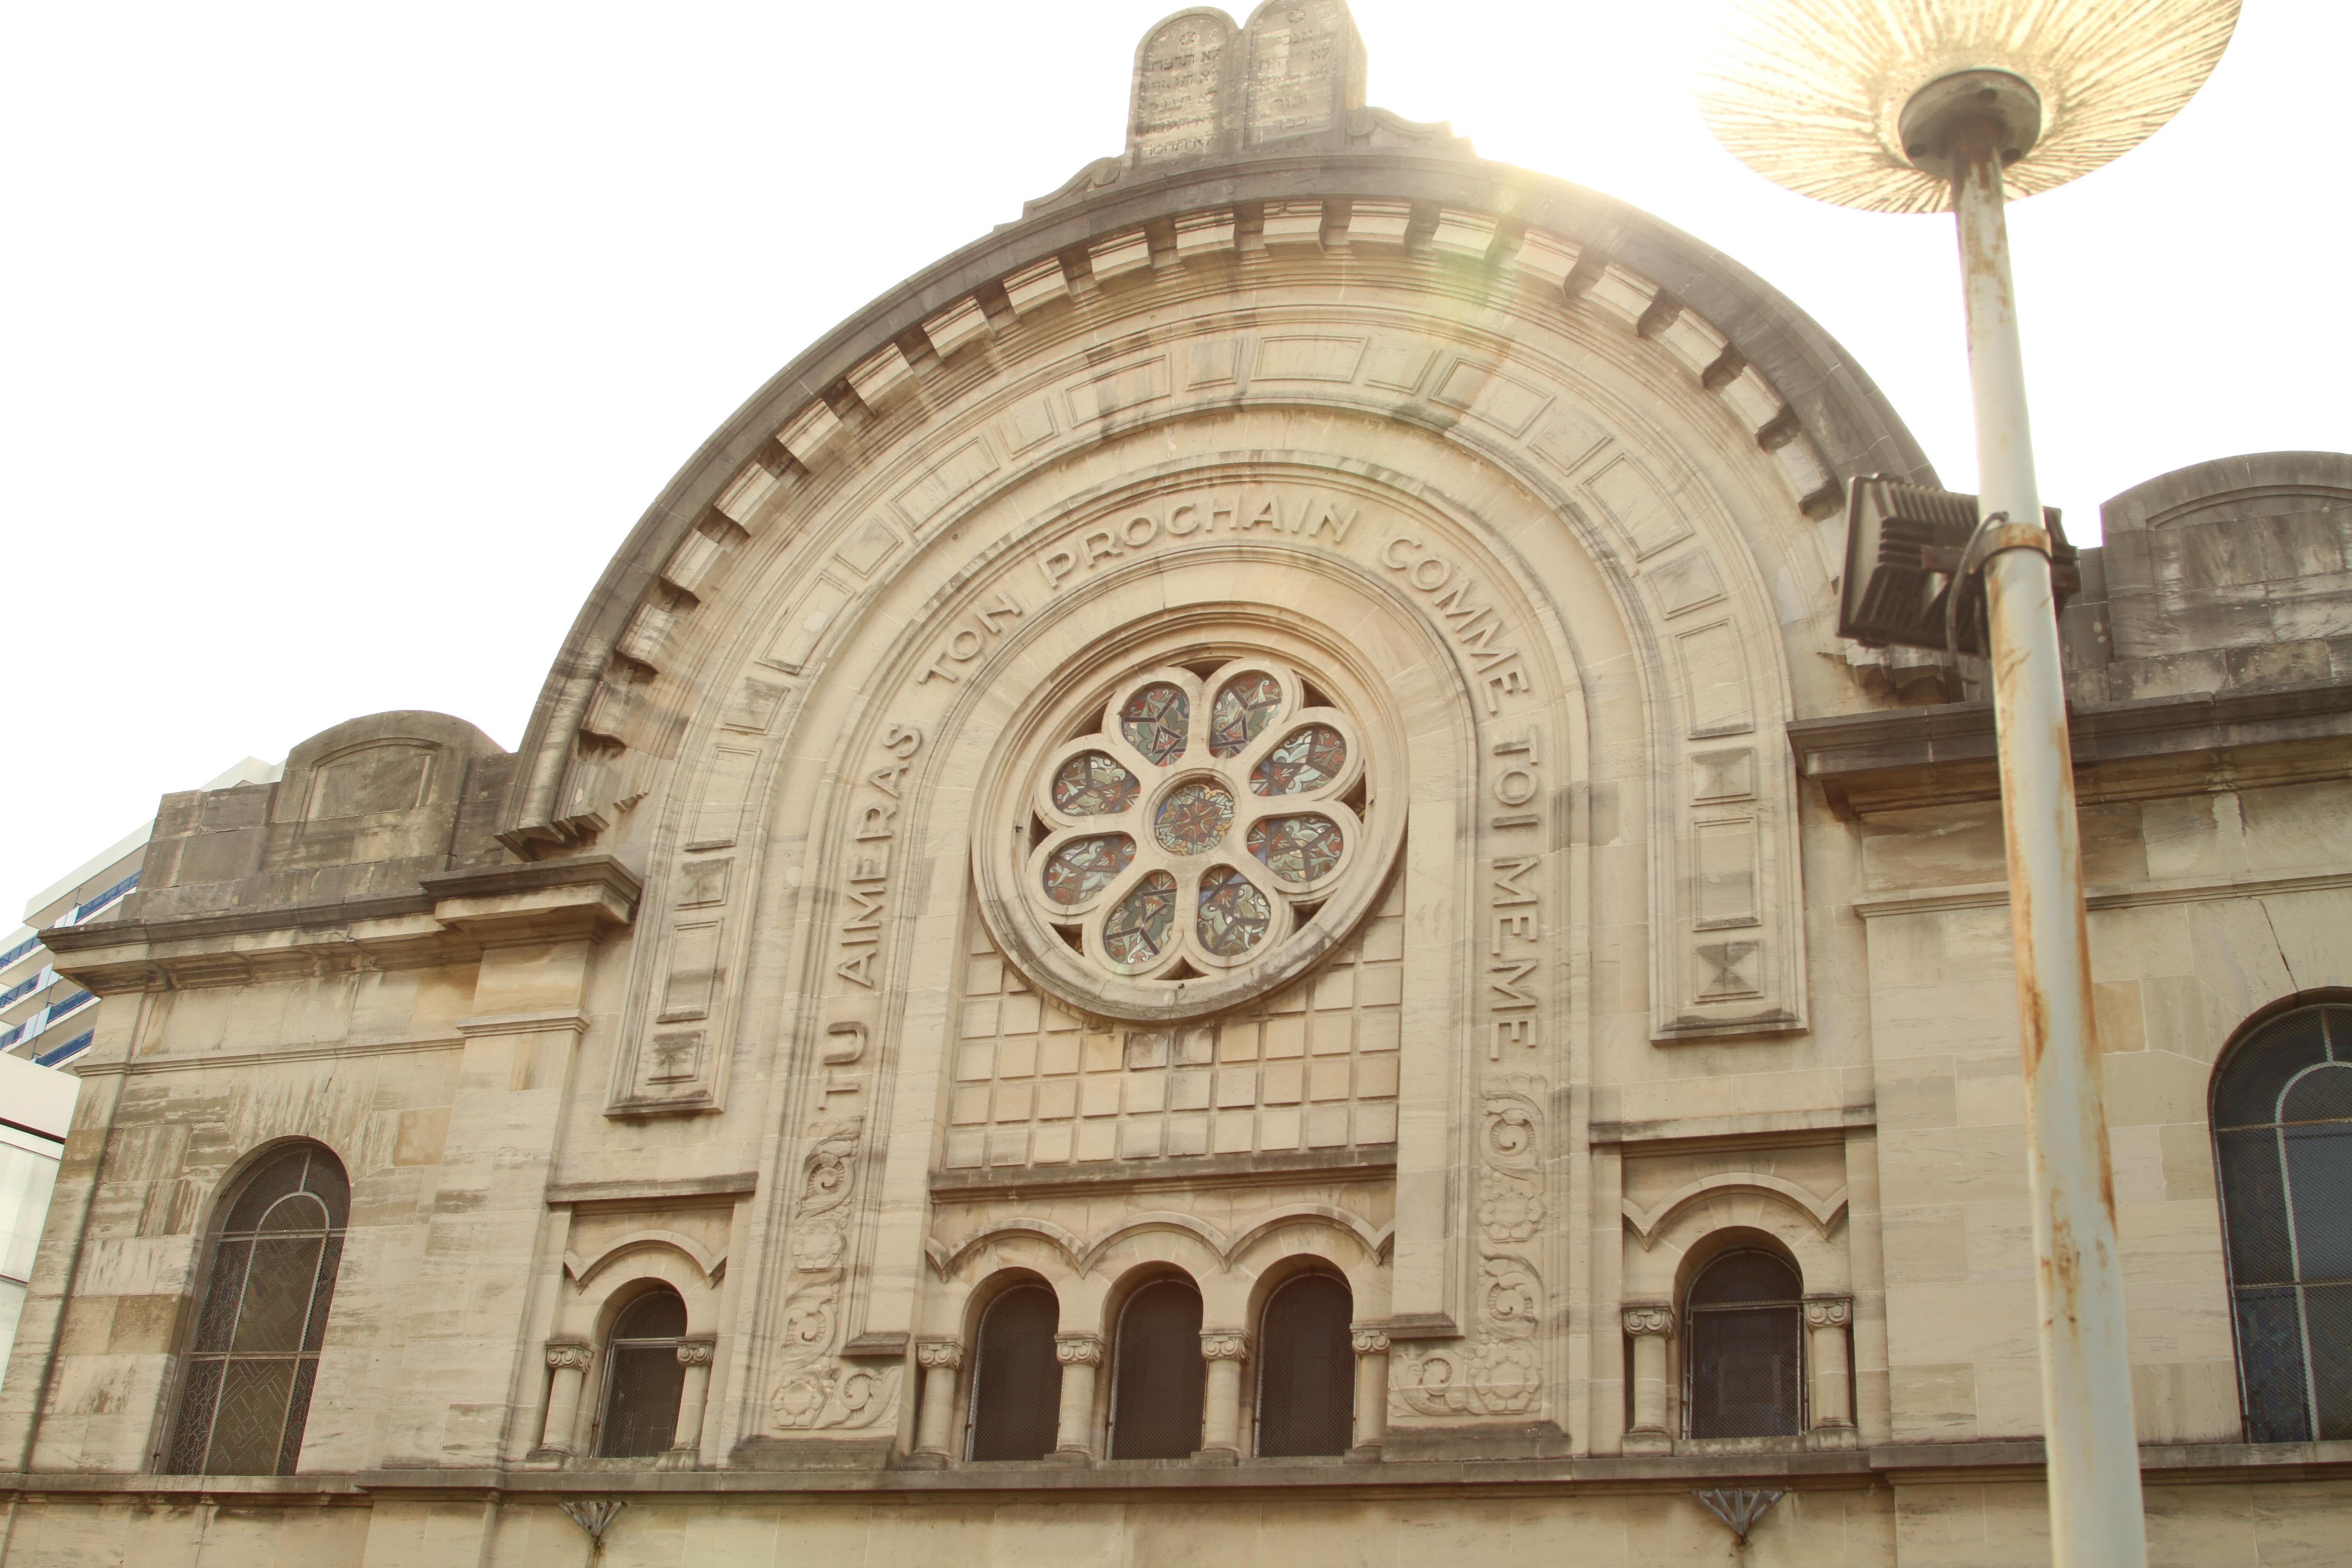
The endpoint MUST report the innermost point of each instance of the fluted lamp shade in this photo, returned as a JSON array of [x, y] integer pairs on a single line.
[[1807, 92]]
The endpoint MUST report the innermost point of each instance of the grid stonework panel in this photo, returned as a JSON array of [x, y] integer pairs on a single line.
[[1311, 1067]]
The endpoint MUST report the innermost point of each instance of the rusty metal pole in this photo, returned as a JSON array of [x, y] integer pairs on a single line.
[[2086, 1406]]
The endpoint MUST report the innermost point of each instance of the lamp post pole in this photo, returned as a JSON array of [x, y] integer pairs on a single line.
[[2093, 1453]]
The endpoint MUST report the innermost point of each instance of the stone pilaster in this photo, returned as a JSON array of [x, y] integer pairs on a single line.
[[1828, 1320], [1371, 1348], [1221, 1409], [1074, 1437], [940, 1359], [1650, 1325]]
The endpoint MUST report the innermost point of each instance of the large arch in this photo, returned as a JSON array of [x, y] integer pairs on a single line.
[[1547, 484]]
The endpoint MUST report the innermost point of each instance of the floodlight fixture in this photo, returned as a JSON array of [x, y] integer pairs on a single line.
[[1920, 106], [1913, 555]]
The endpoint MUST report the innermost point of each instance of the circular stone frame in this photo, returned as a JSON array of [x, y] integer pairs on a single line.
[[1056, 939]]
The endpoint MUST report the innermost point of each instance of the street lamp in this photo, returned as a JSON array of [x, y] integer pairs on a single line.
[[1920, 106]]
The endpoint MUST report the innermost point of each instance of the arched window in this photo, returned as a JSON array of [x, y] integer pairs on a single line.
[[642, 1377], [1016, 1383], [1745, 1327], [2282, 1140], [1305, 1371], [246, 1392], [1158, 1376]]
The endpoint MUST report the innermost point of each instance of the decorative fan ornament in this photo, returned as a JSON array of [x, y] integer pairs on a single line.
[[1809, 92]]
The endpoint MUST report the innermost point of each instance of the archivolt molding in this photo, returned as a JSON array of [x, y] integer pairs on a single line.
[[1083, 1255], [582, 1271], [1726, 848], [1649, 1224], [1478, 230]]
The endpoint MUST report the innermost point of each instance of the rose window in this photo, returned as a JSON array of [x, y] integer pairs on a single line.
[[1203, 816]]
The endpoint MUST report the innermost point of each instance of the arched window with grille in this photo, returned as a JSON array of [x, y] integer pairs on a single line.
[[2282, 1142], [1017, 1383], [644, 1379], [1306, 1370], [244, 1389], [1158, 1378], [1744, 1330]]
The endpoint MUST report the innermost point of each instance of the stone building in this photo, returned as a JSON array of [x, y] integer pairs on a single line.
[[1213, 889]]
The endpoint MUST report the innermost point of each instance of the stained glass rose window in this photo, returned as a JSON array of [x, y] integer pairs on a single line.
[[1196, 820]]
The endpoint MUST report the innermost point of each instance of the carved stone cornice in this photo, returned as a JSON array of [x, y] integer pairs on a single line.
[[1368, 1341], [1224, 1344], [574, 1354], [452, 918], [697, 1352], [1907, 757], [1078, 1349], [1829, 1311], [1648, 1318], [542, 900], [946, 1354]]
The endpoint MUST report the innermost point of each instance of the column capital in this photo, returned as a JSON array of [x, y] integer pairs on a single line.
[[698, 1350], [1224, 1344], [1829, 1311], [575, 1353], [1369, 1341], [1642, 1318], [1078, 1349], [947, 1353]]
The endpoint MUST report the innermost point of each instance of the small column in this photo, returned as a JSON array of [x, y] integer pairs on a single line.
[[1371, 1348], [1221, 1409], [693, 1354], [1649, 1323], [568, 1360], [1828, 1320], [1074, 1437], [940, 1359]]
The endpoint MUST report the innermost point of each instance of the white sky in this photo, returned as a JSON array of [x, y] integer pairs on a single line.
[[343, 344]]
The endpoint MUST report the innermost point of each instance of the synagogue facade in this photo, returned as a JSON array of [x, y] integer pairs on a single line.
[[1213, 889]]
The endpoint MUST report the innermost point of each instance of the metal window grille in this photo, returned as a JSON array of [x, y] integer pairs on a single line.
[[1017, 1383], [2283, 1145], [245, 1391], [644, 1380], [1158, 1377], [1744, 1372], [1305, 1369]]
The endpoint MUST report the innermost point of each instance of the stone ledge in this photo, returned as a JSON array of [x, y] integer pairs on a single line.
[[1891, 1463], [734, 1184], [1945, 754], [1375, 1164]]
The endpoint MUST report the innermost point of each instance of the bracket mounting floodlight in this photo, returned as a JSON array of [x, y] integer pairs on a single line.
[[1908, 555]]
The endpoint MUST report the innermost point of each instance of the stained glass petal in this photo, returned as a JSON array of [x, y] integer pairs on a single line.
[[1234, 916], [1093, 784], [1138, 926], [1155, 720], [1307, 759], [1246, 705], [1296, 848], [1084, 867]]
